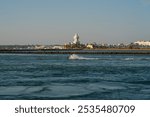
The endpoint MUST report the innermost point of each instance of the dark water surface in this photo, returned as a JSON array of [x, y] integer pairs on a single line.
[[55, 76]]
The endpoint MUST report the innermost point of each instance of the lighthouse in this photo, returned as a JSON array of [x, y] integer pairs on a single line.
[[76, 39]]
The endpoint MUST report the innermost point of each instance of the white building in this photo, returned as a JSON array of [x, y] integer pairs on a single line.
[[39, 47], [90, 46], [143, 43], [76, 39], [58, 47]]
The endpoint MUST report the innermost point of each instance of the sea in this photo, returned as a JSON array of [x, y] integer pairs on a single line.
[[74, 77]]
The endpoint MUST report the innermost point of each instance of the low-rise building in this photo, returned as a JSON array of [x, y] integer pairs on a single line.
[[58, 47], [90, 46], [143, 43]]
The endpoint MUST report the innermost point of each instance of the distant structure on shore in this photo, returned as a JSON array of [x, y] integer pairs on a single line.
[[76, 44], [142, 43], [76, 39]]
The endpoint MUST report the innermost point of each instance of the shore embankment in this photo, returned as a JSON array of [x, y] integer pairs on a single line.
[[76, 51]]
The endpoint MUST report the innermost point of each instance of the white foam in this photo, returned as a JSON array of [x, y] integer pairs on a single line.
[[76, 57], [128, 59]]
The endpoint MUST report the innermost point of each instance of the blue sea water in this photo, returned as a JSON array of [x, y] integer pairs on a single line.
[[87, 76]]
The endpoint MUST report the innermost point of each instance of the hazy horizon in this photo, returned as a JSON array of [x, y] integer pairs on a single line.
[[50, 22]]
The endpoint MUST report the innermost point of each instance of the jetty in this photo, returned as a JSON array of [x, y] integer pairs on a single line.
[[76, 51]]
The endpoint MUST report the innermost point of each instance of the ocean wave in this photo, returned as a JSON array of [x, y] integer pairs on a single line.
[[77, 57], [138, 59], [128, 59]]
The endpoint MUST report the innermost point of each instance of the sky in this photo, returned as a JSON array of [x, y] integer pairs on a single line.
[[56, 21]]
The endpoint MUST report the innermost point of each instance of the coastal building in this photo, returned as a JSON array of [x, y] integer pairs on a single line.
[[143, 43], [90, 46], [58, 47], [39, 47], [75, 44], [76, 39]]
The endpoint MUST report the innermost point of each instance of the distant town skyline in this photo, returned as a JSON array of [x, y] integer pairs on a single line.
[[56, 21]]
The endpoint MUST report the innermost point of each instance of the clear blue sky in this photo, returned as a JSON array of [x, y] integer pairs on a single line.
[[56, 21]]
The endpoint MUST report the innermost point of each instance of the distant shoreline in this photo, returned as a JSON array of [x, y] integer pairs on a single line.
[[76, 51]]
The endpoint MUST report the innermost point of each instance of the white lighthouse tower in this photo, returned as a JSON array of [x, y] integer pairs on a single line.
[[76, 39]]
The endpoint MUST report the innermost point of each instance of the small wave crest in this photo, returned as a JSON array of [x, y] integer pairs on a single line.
[[128, 59], [139, 59], [77, 57]]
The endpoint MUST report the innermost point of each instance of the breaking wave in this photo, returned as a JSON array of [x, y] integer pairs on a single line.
[[76, 57], [129, 59]]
